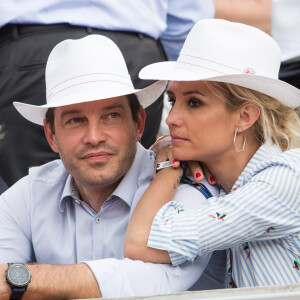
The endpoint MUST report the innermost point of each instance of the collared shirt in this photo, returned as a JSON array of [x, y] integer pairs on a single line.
[[259, 220], [170, 20], [43, 220]]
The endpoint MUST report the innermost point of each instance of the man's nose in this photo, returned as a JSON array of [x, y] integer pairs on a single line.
[[95, 134]]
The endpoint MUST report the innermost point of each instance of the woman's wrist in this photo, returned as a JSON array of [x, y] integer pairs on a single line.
[[168, 165]]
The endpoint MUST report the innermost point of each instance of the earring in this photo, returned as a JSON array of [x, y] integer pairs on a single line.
[[243, 148]]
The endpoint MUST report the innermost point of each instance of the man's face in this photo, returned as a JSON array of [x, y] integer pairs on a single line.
[[96, 140]]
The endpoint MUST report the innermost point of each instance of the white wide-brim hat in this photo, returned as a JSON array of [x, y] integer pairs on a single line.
[[223, 51], [88, 69]]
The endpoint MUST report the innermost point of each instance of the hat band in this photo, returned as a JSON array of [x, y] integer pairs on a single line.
[[193, 63], [85, 79]]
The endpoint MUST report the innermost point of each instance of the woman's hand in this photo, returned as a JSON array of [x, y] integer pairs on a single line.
[[163, 149]]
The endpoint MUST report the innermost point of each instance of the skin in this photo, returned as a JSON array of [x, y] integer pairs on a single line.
[[97, 144], [202, 129], [257, 13]]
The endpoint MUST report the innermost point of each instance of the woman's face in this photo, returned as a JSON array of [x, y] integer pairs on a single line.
[[200, 126]]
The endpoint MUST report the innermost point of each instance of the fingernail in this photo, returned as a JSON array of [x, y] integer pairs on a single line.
[[174, 161], [198, 175], [212, 179]]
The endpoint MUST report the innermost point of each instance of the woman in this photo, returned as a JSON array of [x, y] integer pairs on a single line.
[[230, 112]]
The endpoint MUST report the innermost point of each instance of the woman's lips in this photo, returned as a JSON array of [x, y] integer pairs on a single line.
[[177, 139]]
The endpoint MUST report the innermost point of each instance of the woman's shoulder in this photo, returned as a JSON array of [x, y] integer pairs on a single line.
[[271, 157], [279, 169], [289, 158]]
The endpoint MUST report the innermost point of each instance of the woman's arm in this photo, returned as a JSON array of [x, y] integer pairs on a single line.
[[161, 190]]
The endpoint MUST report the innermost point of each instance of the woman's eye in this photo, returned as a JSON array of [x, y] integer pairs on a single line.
[[171, 101], [194, 103]]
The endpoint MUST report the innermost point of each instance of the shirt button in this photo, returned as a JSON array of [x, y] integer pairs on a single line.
[[98, 220]]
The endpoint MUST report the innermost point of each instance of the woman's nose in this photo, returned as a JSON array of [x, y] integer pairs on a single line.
[[175, 116]]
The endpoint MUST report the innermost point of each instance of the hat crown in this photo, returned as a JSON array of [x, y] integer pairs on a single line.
[[74, 66], [226, 48], [84, 70]]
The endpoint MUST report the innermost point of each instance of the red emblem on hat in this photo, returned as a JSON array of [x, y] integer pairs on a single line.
[[249, 71]]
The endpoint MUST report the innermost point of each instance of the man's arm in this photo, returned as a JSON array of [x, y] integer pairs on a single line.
[[256, 13], [55, 282], [126, 278], [181, 17], [15, 231], [116, 278]]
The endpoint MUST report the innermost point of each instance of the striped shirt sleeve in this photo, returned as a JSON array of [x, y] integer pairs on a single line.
[[268, 200]]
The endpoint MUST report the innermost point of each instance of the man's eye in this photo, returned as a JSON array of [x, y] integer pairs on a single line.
[[171, 101], [114, 115], [75, 120]]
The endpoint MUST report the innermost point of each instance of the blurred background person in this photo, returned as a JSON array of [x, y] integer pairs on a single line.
[[3, 185]]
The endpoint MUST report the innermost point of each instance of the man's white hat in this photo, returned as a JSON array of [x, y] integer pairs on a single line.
[[219, 50], [83, 70]]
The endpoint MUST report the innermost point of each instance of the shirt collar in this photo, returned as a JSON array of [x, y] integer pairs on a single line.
[[264, 153], [69, 192], [139, 173]]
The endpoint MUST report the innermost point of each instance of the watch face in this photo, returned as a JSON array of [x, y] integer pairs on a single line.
[[18, 275]]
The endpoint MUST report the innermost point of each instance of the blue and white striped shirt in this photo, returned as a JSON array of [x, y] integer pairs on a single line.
[[259, 220]]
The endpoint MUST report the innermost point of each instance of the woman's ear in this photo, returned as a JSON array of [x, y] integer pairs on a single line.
[[248, 115]]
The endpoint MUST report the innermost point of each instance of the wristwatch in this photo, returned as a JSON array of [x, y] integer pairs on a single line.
[[18, 277]]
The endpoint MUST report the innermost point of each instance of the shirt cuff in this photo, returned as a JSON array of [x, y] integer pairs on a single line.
[[107, 272], [175, 230]]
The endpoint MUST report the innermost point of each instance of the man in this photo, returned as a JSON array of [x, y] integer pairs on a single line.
[[29, 31], [77, 209]]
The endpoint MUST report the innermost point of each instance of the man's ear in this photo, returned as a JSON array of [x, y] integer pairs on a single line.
[[140, 124], [50, 136], [248, 115]]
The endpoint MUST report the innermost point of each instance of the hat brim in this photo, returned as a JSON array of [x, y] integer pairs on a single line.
[[36, 114], [278, 89]]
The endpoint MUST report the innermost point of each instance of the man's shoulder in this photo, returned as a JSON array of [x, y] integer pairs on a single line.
[[191, 197], [40, 181], [50, 172]]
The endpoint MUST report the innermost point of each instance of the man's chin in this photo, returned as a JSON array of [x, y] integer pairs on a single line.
[[98, 180]]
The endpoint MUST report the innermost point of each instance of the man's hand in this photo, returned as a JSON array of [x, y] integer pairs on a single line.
[[55, 282]]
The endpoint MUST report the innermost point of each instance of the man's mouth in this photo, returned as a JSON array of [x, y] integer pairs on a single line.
[[100, 156]]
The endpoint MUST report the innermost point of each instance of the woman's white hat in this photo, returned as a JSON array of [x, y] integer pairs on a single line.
[[219, 50], [83, 70]]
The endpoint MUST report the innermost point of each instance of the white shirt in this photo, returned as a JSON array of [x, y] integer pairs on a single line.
[[43, 220]]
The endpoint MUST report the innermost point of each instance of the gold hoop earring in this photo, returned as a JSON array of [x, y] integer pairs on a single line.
[[234, 141]]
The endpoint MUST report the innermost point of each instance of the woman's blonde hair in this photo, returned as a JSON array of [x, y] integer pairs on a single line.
[[277, 123]]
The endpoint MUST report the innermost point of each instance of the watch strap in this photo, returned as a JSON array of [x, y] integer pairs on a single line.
[[17, 293]]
